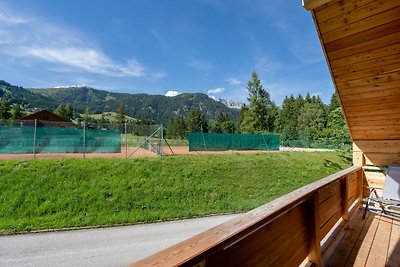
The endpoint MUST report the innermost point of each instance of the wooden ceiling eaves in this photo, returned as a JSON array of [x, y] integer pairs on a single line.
[[312, 4], [361, 43], [359, 19], [330, 69]]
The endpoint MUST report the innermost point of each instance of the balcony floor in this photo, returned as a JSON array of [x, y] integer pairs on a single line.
[[374, 241]]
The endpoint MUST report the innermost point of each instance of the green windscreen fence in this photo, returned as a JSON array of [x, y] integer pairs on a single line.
[[24, 139], [221, 142]]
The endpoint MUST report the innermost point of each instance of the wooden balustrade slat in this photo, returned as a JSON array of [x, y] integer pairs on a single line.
[[282, 231]]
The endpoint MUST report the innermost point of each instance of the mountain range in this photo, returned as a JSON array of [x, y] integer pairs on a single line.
[[157, 108]]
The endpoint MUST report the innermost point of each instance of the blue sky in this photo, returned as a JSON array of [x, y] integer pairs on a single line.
[[160, 46]]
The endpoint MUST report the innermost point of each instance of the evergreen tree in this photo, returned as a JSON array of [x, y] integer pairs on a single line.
[[196, 121], [60, 110], [286, 122], [65, 111], [176, 127], [311, 121], [87, 118], [222, 124], [69, 112], [334, 103], [17, 112], [5, 113], [259, 116], [121, 113]]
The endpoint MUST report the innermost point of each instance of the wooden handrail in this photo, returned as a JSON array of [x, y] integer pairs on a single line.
[[285, 228]]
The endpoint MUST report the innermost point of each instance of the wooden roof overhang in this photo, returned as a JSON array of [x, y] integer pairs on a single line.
[[361, 42]]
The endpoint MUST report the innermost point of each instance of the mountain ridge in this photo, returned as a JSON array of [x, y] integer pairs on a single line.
[[157, 108]]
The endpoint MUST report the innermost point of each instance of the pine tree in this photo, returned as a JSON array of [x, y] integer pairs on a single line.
[[60, 110], [121, 113], [196, 121], [259, 115], [176, 127], [69, 112], [222, 124], [287, 119], [311, 121], [87, 115], [4, 109], [17, 112]]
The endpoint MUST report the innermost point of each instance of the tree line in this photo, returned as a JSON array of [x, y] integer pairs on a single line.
[[298, 118]]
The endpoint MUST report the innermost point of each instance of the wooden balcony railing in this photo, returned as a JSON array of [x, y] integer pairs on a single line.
[[284, 232]]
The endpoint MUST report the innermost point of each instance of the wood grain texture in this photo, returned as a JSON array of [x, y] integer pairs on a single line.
[[253, 233], [377, 146], [393, 257], [364, 36], [379, 248], [382, 158], [359, 20], [364, 46], [337, 8], [284, 240], [367, 55]]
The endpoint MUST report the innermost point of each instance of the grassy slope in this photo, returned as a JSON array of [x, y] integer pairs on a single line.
[[74, 192]]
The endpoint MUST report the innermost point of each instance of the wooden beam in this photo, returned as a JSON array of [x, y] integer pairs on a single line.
[[344, 185], [365, 46], [315, 245], [367, 55], [339, 7], [312, 4], [360, 186], [368, 16], [364, 36]]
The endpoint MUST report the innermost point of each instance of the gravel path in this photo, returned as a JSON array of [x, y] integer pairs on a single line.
[[116, 246]]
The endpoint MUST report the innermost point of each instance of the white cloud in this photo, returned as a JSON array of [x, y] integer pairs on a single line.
[[172, 93], [35, 39], [8, 18], [215, 91], [233, 81], [86, 59]]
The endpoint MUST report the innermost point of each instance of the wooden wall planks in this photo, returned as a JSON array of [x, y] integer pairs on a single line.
[[378, 152]]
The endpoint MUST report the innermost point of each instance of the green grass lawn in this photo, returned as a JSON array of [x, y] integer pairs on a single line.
[[42, 194]]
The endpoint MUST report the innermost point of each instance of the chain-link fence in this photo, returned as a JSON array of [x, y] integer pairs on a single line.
[[44, 137]]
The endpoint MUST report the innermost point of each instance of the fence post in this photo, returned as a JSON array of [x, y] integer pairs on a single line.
[[126, 143], [84, 139], [161, 140], [34, 140]]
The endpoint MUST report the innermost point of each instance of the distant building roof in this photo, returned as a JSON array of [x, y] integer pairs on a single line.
[[45, 115], [46, 118]]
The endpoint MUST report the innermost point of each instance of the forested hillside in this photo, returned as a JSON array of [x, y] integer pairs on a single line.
[[26, 98], [300, 121], [156, 108]]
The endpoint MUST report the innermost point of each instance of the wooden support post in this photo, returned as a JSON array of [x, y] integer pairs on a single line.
[[344, 186], [360, 185], [315, 240]]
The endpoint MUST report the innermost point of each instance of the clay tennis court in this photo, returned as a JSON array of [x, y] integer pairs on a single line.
[[130, 152]]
